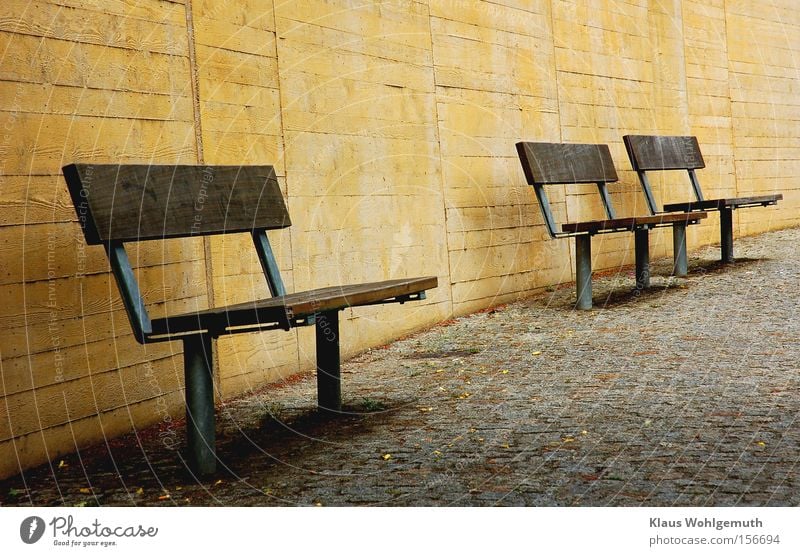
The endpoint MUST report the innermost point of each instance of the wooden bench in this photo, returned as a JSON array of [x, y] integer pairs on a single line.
[[124, 203], [558, 163], [660, 152]]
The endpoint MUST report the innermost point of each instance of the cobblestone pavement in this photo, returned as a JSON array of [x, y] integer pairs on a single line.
[[686, 394]]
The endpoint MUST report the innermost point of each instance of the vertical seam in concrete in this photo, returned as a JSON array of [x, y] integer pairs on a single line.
[[441, 160], [198, 135], [686, 72], [285, 170], [570, 244], [555, 68], [198, 129], [730, 105]]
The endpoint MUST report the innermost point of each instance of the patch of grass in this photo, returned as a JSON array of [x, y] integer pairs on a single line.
[[371, 405], [273, 409]]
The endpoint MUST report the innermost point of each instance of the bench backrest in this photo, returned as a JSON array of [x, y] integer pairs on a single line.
[[664, 152], [138, 202], [118, 203], [564, 163]]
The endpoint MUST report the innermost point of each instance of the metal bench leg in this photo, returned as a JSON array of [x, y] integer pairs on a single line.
[[583, 271], [681, 264], [642, 241], [726, 234], [329, 383], [200, 418]]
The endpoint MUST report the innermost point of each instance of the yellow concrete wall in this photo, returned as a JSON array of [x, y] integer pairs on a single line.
[[495, 85], [392, 128], [99, 81]]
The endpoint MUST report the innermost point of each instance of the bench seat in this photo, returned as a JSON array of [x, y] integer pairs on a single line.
[[719, 204], [632, 223], [287, 309]]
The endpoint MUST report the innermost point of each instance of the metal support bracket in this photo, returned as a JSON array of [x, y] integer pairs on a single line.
[[696, 185], [129, 290], [606, 199], [547, 214], [648, 192], [268, 263]]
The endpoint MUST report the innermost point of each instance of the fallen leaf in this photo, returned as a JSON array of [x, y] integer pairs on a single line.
[[761, 443], [568, 439], [504, 371], [536, 353], [140, 490], [584, 433], [219, 482], [62, 464], [81, 504], [439, 370], [437, 453], [386, 457], [85, 491], [14, 492]]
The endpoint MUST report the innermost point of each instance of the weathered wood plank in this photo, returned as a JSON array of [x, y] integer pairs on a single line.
[[295, 305], [664, 152], [139, 202], [545, 163], [719, 204], [631, 223]]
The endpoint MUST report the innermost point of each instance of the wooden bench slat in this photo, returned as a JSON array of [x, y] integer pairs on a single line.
[[546, 163], [292, 306], [632, 223], [134, 202], [719, 204], [664, 152]]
